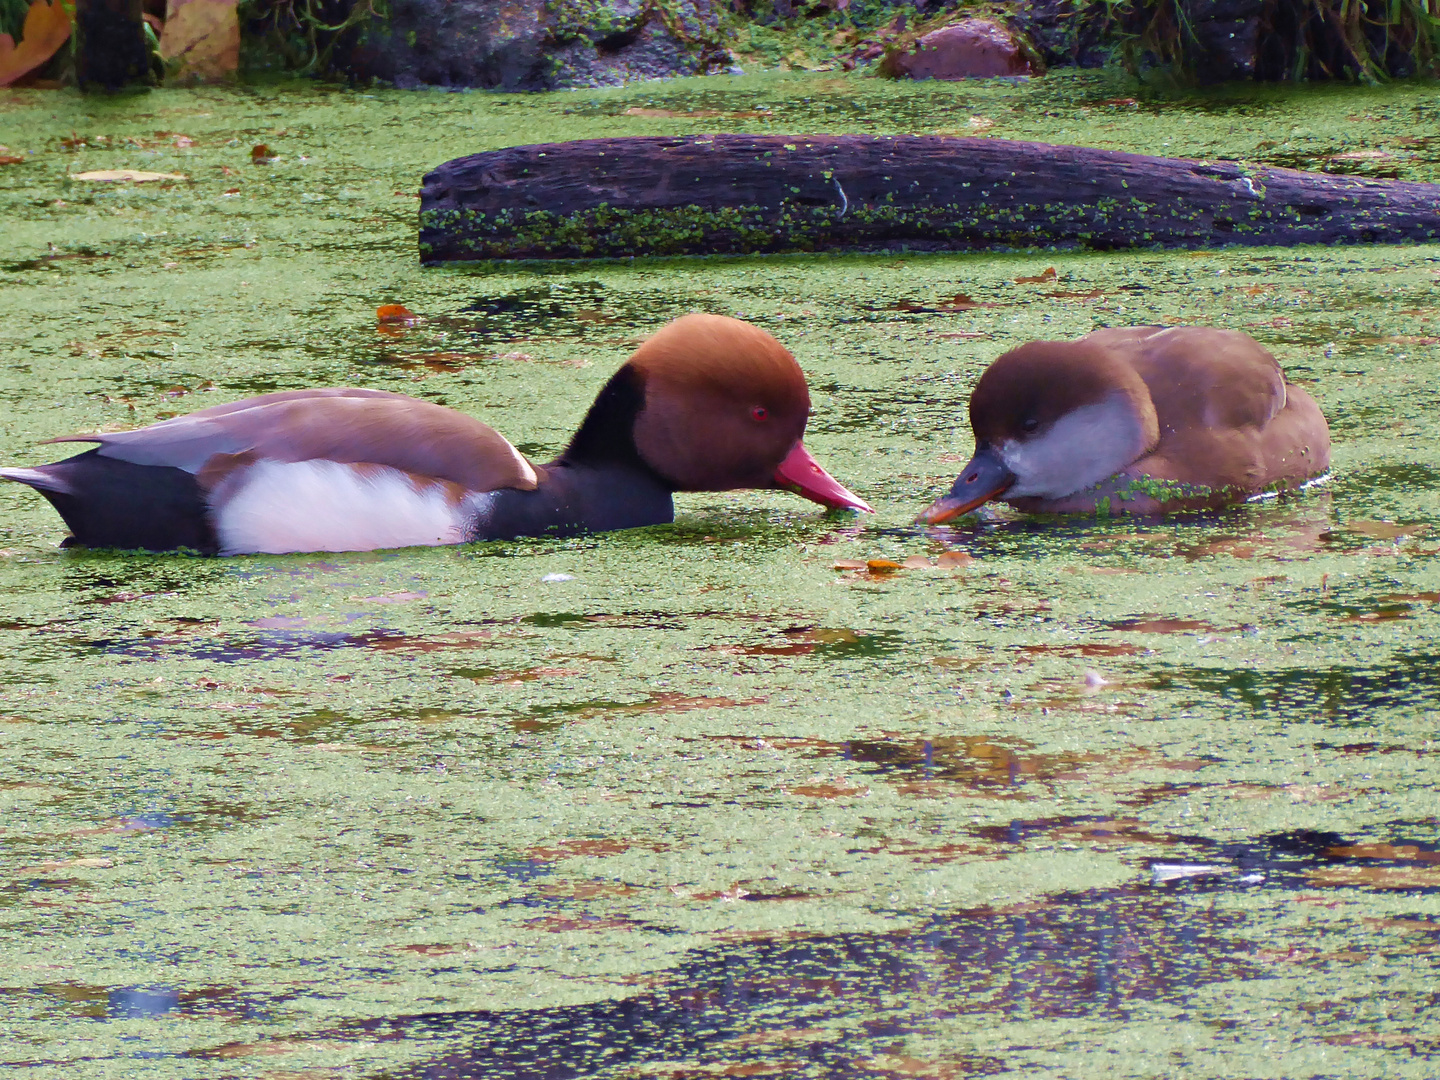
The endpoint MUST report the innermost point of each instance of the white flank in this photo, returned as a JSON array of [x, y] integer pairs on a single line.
[[1079, 450], [280, 507]]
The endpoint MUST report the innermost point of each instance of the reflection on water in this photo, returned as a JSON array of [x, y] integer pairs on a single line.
[[835, 1005]]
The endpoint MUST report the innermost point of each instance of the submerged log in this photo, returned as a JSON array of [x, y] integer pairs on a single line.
[[751, 194]]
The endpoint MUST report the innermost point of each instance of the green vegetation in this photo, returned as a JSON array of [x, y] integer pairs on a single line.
[[297, 799]]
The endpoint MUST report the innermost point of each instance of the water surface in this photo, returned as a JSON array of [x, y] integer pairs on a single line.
[[1114, 799]]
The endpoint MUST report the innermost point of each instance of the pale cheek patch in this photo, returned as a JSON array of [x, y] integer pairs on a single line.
[[279, 507], [1082, 448]]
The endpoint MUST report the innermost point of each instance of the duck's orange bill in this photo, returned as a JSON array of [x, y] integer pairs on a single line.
[[802, 474], [980, 481]]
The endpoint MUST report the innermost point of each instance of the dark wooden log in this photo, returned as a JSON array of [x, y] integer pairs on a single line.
[[747, 194], [110, 48]]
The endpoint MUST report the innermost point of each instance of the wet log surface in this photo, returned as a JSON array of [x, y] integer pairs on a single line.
[[750, 194]]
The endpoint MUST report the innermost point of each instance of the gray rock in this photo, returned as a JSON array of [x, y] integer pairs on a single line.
[[533, 44]]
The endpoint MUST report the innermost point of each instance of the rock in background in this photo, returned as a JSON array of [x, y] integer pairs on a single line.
[[534, 44], [965, 49]]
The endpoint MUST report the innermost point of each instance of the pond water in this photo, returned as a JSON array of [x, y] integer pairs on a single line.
[[1118, 798]]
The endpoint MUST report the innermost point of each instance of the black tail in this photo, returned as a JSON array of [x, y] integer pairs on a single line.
[[110, 503]]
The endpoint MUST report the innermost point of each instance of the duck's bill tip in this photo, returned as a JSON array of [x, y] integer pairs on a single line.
[[983, 479], [802, 474], [947, 507]]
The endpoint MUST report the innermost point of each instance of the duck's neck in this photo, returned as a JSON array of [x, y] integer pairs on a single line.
[[598, 484]]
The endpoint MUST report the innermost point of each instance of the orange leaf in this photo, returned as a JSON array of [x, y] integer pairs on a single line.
[[1043, 278], [395, 313], [47, 27]]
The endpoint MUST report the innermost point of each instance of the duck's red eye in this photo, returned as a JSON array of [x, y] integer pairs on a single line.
[[759, 412]]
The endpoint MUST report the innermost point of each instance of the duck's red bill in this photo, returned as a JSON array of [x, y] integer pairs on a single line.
[[802, 474], [981, 480]]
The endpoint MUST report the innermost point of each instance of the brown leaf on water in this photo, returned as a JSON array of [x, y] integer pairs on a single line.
[[882, 566], [9, 158], [1080, 650], [135, 176], [1045, 277], [260, 154], [1383, 615], [827, 790], [849, 564], [955, 559], [430, 950], [572, 849], [916, 562], [47, 27], [1400, 853], [460, 639], [585, 890], [1377, 877]]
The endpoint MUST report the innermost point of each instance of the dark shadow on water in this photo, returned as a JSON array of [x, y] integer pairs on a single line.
[[845, 998], [1342, 695]]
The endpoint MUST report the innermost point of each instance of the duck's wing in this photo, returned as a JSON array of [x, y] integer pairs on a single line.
[[1228, 421], [346, 426]]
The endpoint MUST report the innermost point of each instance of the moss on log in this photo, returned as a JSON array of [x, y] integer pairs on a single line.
[[753, 194]]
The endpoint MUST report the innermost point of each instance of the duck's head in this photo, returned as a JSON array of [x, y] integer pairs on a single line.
[[1050, 418], [710, 404]]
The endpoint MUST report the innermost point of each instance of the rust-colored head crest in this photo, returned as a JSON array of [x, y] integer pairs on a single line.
[[724, 403]]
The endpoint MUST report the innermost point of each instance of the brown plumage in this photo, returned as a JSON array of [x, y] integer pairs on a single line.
[[707, 404], [1139, 420]]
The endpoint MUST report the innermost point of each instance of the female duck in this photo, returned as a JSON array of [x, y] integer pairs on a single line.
[[1141, 420], [707, 404]]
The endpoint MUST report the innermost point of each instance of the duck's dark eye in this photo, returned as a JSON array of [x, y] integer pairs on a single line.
[[1030, 425], [759, 412]]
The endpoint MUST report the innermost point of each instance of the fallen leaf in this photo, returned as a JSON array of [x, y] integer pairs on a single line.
[[1045, 277], [827, 791], [1377, 877], [47, 27], [882, 566], [571, 849], [849, 564], [133, 175], [1156, 625], [260, 154], [916, 562], [955, 558], [395, 315]]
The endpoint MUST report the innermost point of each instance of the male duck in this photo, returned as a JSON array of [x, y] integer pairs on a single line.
[[707, 404], [1144, 420]]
